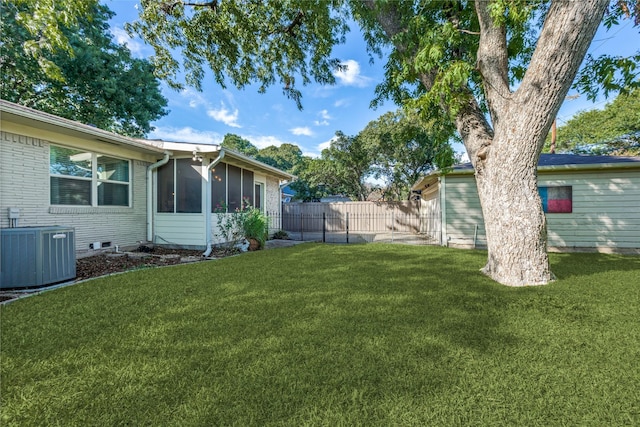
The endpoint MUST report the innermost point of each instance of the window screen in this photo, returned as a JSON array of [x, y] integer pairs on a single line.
[[219, 187], [234, 196], [188, 186], [247, 186], [165, 187]]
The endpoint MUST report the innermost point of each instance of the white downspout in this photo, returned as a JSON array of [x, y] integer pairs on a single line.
[[150, 170], [208, 203]]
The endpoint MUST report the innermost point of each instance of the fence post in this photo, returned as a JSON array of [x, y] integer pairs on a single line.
[[324, 227], [301, 226], [393, 222], [347, 227]]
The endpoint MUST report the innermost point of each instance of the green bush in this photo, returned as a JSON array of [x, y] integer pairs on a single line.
[[246, 223], [255, 225], [281, 234]]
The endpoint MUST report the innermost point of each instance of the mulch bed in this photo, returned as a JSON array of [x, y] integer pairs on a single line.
[[143, 257], [100, 265]]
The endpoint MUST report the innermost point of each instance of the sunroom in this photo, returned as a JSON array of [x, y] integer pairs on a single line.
[[197, 182]]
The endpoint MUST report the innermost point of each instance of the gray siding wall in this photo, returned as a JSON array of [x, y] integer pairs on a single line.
[[606, 210], [24, 184], [463, 213]]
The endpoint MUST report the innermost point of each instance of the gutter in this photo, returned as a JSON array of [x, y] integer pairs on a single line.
[[150, 170], [207, 213]]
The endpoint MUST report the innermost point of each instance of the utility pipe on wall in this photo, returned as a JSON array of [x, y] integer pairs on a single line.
[[208, 204], [150, 170]]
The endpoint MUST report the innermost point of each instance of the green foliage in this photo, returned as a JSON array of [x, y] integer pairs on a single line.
[[255, 225], [606, 131], [339, 341], [237, 143], [43, 24], [94, 80], [281, 234], [286, 157], [344, 167], [405, 149], [286, 42], [245, 223]]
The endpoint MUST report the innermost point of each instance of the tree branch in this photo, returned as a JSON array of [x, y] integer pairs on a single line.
[[470, 121], [566, 35], [492, 60], [297, 21]]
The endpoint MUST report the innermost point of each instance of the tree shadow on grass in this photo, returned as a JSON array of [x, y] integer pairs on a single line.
[[582, 265]]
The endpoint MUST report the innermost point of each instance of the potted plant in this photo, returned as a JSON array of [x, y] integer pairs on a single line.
[[255, 227]]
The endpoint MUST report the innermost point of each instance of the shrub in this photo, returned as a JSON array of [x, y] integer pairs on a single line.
[[245, 223], [281, 234]]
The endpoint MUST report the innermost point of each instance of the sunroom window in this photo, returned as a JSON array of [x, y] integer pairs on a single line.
[[85, 178], [232, 188], [179, 188]]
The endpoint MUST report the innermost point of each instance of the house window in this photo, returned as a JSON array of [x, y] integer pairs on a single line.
[[259, 196], [556, 199], [234, 195], [219, 187], [84, 178], [230, 186], [247, 187], [179, 187]]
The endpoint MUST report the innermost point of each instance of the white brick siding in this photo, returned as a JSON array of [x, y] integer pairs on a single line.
[[24, 162]]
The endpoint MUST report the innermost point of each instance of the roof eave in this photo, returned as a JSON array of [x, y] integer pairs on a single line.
[[17, 110]]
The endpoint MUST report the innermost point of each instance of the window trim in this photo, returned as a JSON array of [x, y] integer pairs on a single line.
[[93, 179]]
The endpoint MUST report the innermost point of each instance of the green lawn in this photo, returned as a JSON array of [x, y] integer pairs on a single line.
[[329, 335]]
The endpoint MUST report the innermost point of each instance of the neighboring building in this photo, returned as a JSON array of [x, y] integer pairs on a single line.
[[116, 190], [591, 203]]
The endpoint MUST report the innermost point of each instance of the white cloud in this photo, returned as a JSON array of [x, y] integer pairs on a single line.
[[122, 37], [321, 123], [341, 103], [301, 131], [265, 141], [185, 134], [223, 115], [351, 75], [310, 154], [324, 145], [325, 115], [194, 97]]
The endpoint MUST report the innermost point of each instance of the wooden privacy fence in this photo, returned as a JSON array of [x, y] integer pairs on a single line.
[[369, 220], [403, 217]]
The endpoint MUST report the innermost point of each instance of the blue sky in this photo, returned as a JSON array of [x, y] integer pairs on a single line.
[[272, 119]]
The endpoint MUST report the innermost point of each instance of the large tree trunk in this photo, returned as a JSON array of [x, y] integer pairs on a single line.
[[505, 153], [506, 164], [514, 222]]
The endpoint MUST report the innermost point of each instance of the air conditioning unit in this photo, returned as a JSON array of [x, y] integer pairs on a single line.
[[36, 256]]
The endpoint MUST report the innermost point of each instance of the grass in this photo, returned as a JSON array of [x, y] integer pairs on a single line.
[[329, 335]]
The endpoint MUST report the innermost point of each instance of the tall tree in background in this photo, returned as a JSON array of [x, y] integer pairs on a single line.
[[344, 167], [94, 81], [404, 150], [287, 157], [237, 143], [614, 130]]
